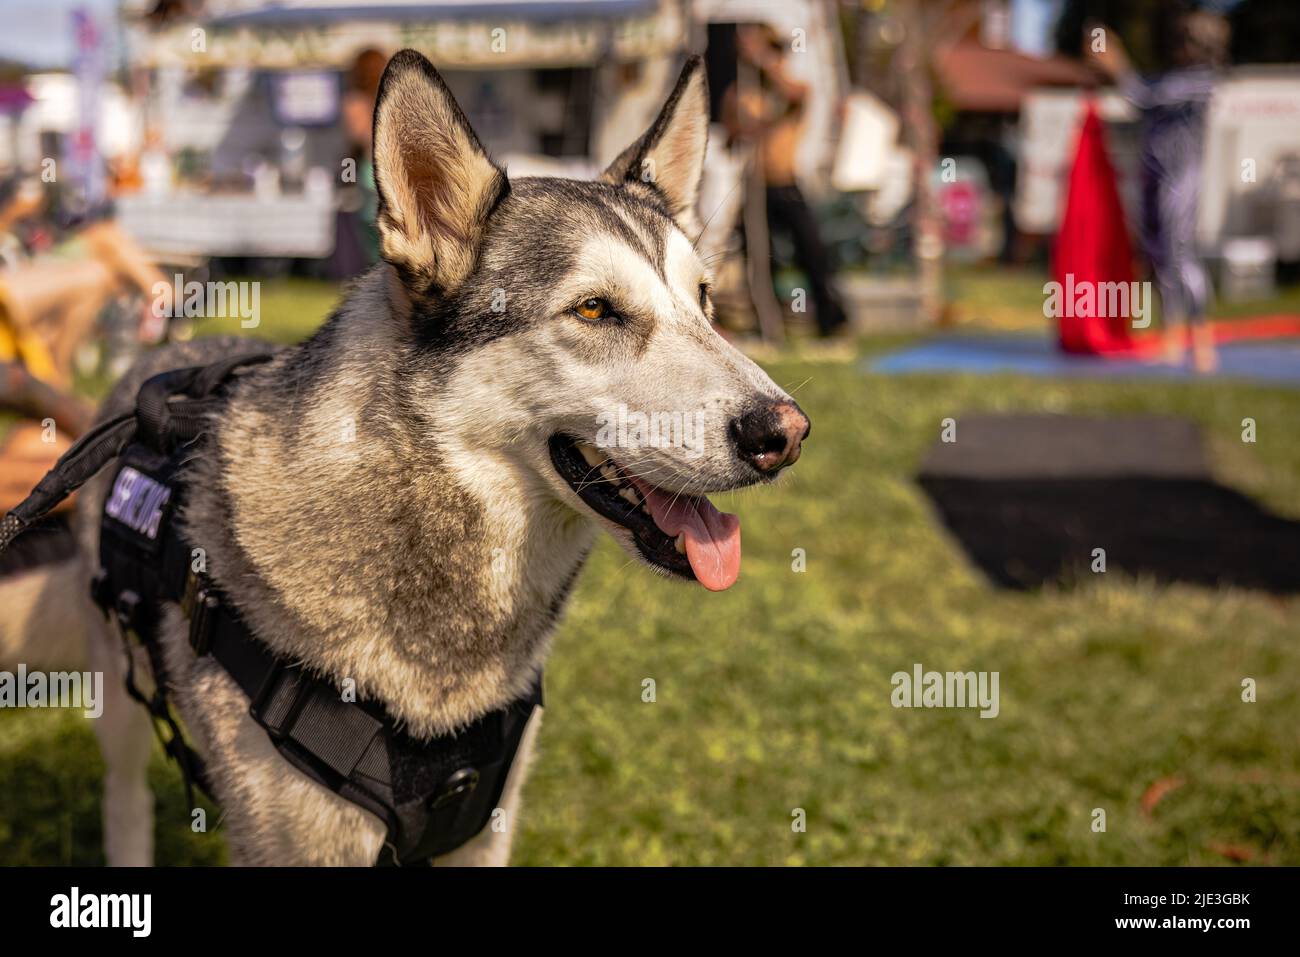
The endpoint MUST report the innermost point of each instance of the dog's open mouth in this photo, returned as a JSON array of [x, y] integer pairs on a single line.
[[682, 534]]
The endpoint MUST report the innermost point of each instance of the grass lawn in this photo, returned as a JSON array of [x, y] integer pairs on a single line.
[[775, 696]]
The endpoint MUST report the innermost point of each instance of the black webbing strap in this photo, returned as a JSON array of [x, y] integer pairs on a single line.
[[159, 417], [194, 772], [353, 747], [44, 543], [75, 467], [288, 702]]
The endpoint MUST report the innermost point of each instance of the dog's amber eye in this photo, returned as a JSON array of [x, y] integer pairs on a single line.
[[594, 309], [704, 295]]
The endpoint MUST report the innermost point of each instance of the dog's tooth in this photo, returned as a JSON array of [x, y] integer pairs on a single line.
[[607, 471], [627, 494], [591, 454], [679, 543]]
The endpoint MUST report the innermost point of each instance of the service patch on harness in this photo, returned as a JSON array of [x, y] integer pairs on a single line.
[[138, 502]]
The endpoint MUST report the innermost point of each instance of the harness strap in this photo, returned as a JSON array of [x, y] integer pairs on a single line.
[[351, 746], [289, 703], [283, 698], [432, 794], [46, 542], [157, 415], [75, 467]]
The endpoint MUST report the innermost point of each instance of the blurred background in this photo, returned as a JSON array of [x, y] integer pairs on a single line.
[[891, 188]]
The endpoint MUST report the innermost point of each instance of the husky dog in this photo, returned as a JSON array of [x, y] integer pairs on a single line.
[[406, 498]]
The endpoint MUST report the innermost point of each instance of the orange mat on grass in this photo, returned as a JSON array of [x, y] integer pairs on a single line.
[[1278, 326]]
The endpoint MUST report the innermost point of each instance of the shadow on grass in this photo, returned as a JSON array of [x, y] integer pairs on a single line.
[[1025, 534], [1036, 499], [51, 791]]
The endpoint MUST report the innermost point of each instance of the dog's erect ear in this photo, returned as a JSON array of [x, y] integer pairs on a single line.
[[670, 156], [435, 181]]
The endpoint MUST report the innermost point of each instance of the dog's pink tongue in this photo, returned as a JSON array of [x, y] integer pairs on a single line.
[[712, 537]]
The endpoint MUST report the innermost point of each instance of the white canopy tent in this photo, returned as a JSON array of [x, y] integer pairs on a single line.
[[262, 54], [486, 34]]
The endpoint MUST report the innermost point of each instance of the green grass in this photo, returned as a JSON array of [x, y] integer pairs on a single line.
[[776, 695]]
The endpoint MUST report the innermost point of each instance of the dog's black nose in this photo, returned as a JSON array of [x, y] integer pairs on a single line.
[[770, 435]]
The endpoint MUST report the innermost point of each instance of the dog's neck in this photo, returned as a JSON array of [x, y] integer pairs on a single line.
[[427, 568]]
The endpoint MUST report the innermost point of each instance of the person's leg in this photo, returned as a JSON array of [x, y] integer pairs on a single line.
[[57, 301], [1205, 357], [73, 326], [1157, 243], [1189, 271], [133, 267], [122, 254], [23, 393], [788, 209], [1173, 313]]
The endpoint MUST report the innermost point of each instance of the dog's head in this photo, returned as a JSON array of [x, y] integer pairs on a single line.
[[571, 324]]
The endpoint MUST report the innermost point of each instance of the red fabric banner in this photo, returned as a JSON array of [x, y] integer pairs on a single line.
[[1092, 247]]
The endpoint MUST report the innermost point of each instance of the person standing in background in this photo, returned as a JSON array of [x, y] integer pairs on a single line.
[[772, 119], [361, 89], [1194, 45]]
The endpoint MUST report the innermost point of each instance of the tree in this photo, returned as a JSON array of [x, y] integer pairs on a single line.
[[912, 61]]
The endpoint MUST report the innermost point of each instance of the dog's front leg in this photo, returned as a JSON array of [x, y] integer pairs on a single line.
[[126, 741], [491, 848], [277, 816]]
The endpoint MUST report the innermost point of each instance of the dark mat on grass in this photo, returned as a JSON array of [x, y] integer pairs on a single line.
[[1030, 497]]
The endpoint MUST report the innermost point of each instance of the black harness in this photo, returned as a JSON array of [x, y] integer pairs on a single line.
[[433, 795]]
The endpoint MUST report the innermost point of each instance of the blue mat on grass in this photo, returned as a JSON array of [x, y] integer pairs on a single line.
[[1276, 361]]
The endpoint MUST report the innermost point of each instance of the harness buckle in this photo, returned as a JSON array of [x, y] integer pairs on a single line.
[[197, 604], [99, 590], [190, 592], [461, 784], [124, 606]]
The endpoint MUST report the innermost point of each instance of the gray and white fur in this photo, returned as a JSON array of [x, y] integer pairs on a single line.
[[379, 501]]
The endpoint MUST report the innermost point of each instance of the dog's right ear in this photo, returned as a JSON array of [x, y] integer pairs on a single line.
[[435, 181]]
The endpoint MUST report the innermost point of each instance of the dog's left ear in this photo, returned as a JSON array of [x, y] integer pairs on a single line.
[[435, 181], [670, 156]]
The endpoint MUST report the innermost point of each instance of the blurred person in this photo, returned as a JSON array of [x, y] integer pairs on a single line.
[[49, 304], [49, 422], [20, 201], [358, 109], [1173, 102], [772, 118]]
